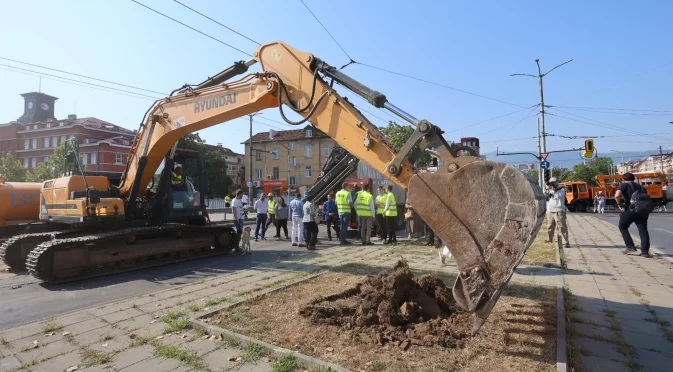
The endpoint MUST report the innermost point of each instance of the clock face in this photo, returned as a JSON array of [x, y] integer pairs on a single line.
[[30, 105], [44, 106]]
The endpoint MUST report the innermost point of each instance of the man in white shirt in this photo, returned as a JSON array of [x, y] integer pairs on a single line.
[[244, 201], [556, 210], [262, 208], [237, 209]]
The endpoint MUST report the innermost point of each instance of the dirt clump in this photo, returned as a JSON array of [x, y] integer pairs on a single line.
[[394, 308]]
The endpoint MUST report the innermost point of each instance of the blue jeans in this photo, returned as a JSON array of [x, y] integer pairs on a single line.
[[345, 219], [239, 227], [261, 222]]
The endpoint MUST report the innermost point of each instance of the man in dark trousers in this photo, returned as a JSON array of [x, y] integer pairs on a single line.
[[381, 200], [330, 215], [390, 212], [628, 216]]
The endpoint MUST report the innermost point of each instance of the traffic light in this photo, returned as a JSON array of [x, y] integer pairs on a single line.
[[547, 176], [588, 151]]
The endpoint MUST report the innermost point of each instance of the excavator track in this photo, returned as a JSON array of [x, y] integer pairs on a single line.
[[14, 250], [88, 256]]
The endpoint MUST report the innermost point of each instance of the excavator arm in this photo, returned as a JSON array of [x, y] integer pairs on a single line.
[[486, 213]]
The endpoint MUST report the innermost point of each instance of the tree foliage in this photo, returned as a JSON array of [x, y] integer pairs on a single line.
[[581, 172], [54, 167], [11, 169], [397, 135], [219, 183]]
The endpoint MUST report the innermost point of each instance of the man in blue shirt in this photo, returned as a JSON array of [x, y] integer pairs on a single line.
[[297, 214], [330, 215]]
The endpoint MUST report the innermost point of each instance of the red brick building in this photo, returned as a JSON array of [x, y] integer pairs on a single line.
[[33, 136]]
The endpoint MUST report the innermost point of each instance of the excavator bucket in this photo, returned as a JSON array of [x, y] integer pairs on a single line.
[[487, 214]]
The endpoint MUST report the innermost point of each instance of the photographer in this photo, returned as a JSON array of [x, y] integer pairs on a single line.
[[556, 210]]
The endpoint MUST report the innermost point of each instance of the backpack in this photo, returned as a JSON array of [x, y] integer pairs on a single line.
[[641, 203]]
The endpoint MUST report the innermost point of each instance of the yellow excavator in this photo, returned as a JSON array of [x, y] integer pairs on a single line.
[[486, 213]]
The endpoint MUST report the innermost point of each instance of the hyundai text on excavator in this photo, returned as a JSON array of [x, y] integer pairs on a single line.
[[487, 213]]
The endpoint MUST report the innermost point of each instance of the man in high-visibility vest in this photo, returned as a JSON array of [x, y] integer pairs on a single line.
[[227, 201], [364, 205], [390, 212], [381, 200], [344, 202], [177, 179], [272, 212]]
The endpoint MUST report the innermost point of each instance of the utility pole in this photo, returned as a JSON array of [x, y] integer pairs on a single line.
[[250, 187], [539, 76], [661, 157], [540, 176]]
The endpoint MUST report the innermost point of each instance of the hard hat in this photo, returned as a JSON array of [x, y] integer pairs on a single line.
[[270, 194], [553, 179]]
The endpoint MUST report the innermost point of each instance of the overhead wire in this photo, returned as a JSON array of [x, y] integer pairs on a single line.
[[614, 112], [228, 28], [191, 28], [612, 109], [351, 61]]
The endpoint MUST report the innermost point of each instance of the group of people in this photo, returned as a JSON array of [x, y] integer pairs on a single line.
[[631, 198]]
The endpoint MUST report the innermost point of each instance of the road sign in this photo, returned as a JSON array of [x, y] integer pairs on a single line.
[[544, 155], [544, 164]]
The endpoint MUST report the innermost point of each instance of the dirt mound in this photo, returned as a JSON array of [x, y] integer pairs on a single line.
[[394, 307]]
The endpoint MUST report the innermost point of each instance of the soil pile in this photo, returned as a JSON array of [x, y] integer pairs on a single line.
[[396, 308]]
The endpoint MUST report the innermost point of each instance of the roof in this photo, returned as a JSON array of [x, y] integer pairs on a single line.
[[286, 135], [223, 150], [95, 123]]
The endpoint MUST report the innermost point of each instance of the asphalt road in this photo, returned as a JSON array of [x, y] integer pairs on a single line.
[[659, 225], [25, 299]]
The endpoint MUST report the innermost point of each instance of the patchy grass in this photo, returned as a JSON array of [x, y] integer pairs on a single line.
[[540, 253], [173, 316], [231, 342], [252, 352], [574, 351], [3, 342], [286, 363], [177, 325], [107, 337], [216, 301], [623, 347], [189, 358], [134, 306], [93, 357], [50, 326], [70, 338], [196, 307]]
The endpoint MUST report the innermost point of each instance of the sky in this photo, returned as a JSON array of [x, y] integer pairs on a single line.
[[619, 84]]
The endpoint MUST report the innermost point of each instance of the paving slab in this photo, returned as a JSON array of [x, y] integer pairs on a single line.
[[59, 363]]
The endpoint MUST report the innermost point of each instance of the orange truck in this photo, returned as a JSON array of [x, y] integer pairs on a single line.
[[580, 195]]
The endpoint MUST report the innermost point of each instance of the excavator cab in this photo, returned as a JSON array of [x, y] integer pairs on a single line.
[[176, 192]]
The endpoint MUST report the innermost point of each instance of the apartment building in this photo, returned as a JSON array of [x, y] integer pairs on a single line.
[[287, 159], [33, 136], [234, 161]]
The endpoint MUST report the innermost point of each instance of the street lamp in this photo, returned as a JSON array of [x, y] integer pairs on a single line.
[[250, 161]]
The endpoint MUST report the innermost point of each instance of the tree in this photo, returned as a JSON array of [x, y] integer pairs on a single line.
[[588, 172], [11, 169], [219, 183], [54, 167], [397, 135]]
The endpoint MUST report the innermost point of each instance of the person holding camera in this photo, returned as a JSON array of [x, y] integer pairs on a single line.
[[556, 210], [636, 206]]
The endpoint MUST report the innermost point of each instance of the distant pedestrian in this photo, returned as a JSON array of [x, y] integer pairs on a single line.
[[390, 212], [310, 225], [262, 208], [282, 213], [344, 202], [272, 212], [297, 214], [237, 209], [556, 210], [600, 203], [330, 216], [636, 206], [381, 199]]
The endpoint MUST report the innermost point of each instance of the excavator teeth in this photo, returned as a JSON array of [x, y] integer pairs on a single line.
[[487, 214]]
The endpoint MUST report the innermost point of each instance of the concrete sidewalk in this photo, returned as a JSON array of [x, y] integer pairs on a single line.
[[621, 308]]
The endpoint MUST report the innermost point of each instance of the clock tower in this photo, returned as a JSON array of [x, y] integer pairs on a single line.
[[38, 107]]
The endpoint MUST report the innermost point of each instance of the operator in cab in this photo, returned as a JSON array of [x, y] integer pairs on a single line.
[[177, 180]]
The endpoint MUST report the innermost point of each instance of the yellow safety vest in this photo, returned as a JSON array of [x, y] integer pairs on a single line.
[[342, 202], [179, 181], [227, 199], [381, 203], [271, 204], [392, 211], [363, 201]]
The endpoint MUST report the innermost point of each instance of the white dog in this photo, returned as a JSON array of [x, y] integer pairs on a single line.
[[245, 240]]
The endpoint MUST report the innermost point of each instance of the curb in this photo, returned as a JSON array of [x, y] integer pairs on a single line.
[[561, 340], [304, 361]]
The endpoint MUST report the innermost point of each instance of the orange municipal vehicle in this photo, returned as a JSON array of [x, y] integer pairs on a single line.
[[580, 195]]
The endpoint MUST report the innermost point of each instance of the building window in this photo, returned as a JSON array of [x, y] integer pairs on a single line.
[[276, 173], [48, 125], [33, 143], [308, 149], [258, 172], [63, 138], [45, 159], [258, 156], [325, 150], [33, 162], [60, 124], [309, 132], [26, 144], [293, 161], [86, 140], [46, 142], [54, 141], [292, 145], [85, 159], [293, 180], [308, 171], [25, 162], [275, 153], [118, 158], [93, 158], [126, 143]]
